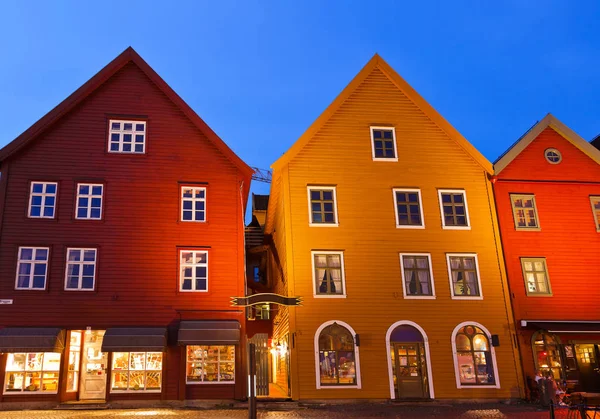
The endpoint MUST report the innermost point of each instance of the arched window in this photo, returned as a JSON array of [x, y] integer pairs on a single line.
[[474, 357], [337, 356], [547, 354]]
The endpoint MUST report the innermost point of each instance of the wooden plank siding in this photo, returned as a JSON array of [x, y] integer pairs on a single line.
[[339, 154], [137, 276]]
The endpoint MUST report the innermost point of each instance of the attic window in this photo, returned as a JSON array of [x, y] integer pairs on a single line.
[[127, 137], [383, 144], [553, 156]]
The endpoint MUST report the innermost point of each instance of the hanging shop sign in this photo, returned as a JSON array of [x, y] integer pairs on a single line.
[[264, 299]]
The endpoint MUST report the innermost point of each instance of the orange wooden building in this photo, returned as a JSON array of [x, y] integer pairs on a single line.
[[382, 218], [547, 188]]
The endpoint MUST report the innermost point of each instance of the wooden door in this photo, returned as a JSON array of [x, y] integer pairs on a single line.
[[93, 367], [410, 372], [587, 362], [260, 340]]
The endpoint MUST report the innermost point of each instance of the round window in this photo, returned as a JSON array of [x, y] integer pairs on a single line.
[[553, 156]]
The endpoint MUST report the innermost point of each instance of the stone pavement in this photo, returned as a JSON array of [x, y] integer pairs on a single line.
[[362, 411]]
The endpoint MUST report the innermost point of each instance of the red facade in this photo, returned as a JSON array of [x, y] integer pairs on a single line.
[[140, 234], [559, 328]]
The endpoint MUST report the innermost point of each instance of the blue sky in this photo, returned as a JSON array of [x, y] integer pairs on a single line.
[[259, 73]]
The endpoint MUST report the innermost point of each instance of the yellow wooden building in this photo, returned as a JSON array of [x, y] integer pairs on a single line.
[[382, 218]]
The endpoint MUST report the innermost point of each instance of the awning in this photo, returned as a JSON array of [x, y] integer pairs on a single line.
[[134, 339], [209, 332], [32, 339], [558, 326]]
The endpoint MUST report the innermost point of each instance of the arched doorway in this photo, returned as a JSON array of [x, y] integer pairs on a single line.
[[408, 361]]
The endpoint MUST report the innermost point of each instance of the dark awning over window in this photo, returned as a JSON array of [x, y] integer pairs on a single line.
[[209, 332], [563, 326], [32, 339], [132, 339]]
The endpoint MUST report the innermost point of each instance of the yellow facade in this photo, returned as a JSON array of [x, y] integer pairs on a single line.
[[336, 151]]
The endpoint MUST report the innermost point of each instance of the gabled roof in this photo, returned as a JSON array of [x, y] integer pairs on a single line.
[[378, 63], [129, 55], [548, 121]]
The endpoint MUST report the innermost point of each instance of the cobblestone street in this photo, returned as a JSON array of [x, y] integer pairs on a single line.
[[334, 412]]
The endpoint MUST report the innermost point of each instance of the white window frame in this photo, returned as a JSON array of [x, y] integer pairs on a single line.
[[121, 132], [193, 199], [392, 159], [43, 195], [455, 356], [454, 191], [595, 214], [335, 210], [128, 371], [343, 273], [193, 383], [81, 262], [432, 283], [32, 262], [532, 260], [356, 356], [41, 371], [449, 266], [193, 266], [409, 190], [89, 197], [514, 196]]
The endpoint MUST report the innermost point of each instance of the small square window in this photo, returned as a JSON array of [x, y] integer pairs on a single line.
[[127, 137], [409, 208], [535, 273], [322, 206], [524, 212], [193, 270], [42, 199], [417, 275], [32, 268], [328, 274], [454, 209], [383, 144], [89, 201], [463, 270], [80, 274], [193, 204], [595, 200]]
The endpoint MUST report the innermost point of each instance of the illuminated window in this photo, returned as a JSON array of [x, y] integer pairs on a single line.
[[383, 144], [210, 364], [337, 362], [553, 156], [193, 270], [328, 273], [463, 270], [32, 373], [535, 273], [322, 206], [595, 200], [454, 209], [193, 204], [74, 361], [81, 269], [136, 371], [547, 354], [524, 212], [127, 137], [32, 268], [42, 199], [417, 275], [89, 201], [409, 209], [474, 360]]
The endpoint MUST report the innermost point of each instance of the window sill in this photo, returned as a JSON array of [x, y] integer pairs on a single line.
[[465, 386], [356, 387], [539, 295], [419, 297], [323, 224], [180, 290], [329, 296], [456, 227], [395, 159], [527, 229], [479, 297], [194, 383], [135, 391], [75, 290], [27, 393], [422, 227]]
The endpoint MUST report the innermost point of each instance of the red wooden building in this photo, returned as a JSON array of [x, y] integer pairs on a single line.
[[122, 241], [547, 189]]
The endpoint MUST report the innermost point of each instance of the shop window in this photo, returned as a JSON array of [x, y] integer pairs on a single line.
[[136, 371], [417, 275], [535, 273], [89, 201], [463, 270], [127, 137], [409, 209], [32, 373], [328, 273], [193, 271], [383, 144], [474, 359], [524, 212], [193, 204], [42, 199], [32, 268], [455, 212], [322, 206], [547, 354], [74, 361], [337, 362], [210, 364]]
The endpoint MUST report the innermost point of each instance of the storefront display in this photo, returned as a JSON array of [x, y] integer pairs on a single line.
[[210, 364], [136, 371], [547, 354], [74, 361], [32, 372]]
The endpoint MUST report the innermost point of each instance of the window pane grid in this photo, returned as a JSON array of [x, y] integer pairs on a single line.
[[454, 209], [474, 357], [524, 211], [536, 275], [193, 270], [408, 208], [32, 372], [136, 371], [337, 358], [463, 271], [328, 273], [81, 269], [32, 267], [127, 136], [210, 364], [383, 143], [322, 206], [193, 204], [89, 201], [417, 278], [42, 200]]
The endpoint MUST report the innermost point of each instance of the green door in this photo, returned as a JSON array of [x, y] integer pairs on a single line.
[[410, 370]]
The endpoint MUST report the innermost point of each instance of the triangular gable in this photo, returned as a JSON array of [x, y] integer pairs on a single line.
[[548, 121], [95, 82], [404, 87]]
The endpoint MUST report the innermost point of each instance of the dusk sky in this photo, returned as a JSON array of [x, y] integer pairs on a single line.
[[259, 73]]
